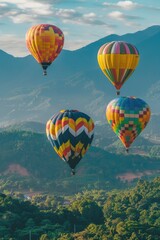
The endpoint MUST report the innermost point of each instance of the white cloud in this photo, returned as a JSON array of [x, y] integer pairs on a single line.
[[20, 11], [21, 18], [75, 17], [67, 13], [117, 15], [128, 5], [134, 25], [89, 15], [76, 44], [3, 4], [13, 45], [91, 18], [35, 7]]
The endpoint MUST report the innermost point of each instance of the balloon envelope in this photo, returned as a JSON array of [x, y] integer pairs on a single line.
[[128, 116], [70, 132], [118, 61], [45, 42]]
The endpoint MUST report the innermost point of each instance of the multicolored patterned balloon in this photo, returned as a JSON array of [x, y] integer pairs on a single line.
[[118, 61], [128, 116], [70, 132], [45, 42]]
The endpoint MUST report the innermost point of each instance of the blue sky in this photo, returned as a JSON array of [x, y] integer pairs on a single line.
[[82, 21]]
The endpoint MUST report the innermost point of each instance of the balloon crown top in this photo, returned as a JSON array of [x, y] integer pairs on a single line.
[[67, 110]]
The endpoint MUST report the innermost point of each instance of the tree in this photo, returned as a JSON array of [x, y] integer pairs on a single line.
[[44, 237]]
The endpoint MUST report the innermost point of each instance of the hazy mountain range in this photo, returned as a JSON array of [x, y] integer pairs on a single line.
[[75, 81]]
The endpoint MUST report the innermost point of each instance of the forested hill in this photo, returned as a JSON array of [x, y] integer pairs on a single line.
[[29, 164], [125, 215]]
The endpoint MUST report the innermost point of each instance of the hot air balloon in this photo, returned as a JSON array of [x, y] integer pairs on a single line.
[[45, 42], [128, 116], [118, 61], [70, 132]]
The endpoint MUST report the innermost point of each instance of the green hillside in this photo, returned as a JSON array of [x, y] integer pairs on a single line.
[[29, 164]]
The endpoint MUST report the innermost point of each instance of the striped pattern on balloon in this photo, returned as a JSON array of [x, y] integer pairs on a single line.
[[118, 60], [70, 132]]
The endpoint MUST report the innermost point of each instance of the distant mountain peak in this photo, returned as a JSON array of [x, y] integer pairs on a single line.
[[3, 53]]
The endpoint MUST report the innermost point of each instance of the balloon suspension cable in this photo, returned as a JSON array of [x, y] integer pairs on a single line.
[[118, 92], [44, 72], [127, 150], [73, 172]]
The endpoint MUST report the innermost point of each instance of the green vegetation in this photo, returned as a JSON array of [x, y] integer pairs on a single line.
[[41, 201], [28, 164], [115, 215]]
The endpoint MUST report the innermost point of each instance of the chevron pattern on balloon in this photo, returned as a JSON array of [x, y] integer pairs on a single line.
[[70, 133]]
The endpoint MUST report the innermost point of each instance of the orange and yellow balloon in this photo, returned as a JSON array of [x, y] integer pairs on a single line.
[[128, 116], [45, 42], [118, 61]]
